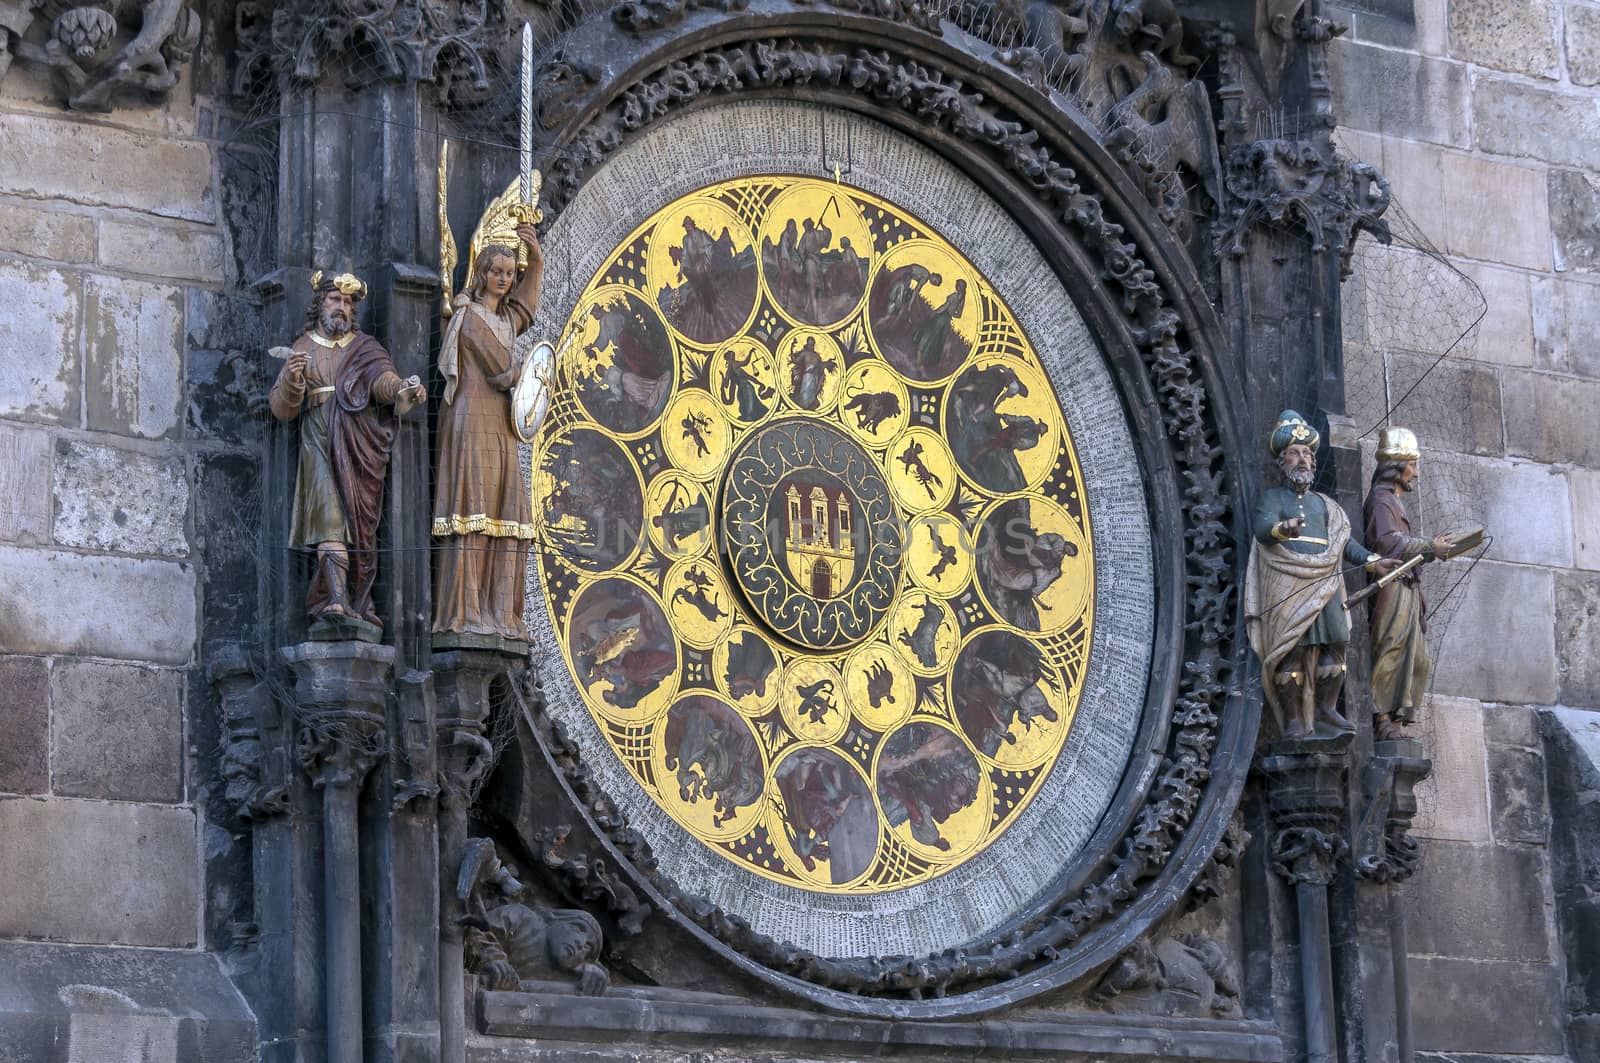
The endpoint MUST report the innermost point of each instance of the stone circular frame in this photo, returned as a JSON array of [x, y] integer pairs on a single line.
[[999, 884]]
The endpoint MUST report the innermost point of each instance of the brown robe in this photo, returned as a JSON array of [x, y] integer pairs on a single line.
[[345, 440], [1401, 666], [482, 512]]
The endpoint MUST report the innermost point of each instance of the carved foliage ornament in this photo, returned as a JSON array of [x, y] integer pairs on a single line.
[[1170, 805], [101, 51], [454, 45], [1294, 183]]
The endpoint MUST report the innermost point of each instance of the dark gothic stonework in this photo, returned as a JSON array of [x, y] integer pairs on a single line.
[[101, 55], [475, 827]]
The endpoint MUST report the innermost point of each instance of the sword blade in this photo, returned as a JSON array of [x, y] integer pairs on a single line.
[[525, 155]]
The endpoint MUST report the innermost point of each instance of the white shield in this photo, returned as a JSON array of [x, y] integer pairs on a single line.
[[530, 400]]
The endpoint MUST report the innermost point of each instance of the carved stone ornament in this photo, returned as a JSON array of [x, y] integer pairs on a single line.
[[454, 45], [1177, 975], [1157, 829], [1297, 184], [1385, 849], [103, 51], [508, 941]]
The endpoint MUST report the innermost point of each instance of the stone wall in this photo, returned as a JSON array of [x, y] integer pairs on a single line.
[[1485, 117], [113, 265]]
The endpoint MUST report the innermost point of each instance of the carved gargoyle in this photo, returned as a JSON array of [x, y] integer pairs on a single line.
[[508, 942], [78, 43], [1176, 975]]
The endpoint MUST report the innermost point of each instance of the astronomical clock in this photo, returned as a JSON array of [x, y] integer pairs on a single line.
[[846, 580]]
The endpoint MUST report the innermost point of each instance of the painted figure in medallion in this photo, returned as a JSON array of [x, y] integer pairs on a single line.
[[714, 756], [629, 368], [1000, 679], [1401, 665], [926, 776], [985, 440], [828, 813], [482, 512], [342, 387], [716, 286], [1294, 598], [1017, 562]]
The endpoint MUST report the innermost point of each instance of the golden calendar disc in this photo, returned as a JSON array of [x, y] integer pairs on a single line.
[[817, 552]]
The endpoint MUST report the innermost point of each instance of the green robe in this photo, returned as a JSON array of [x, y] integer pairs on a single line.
[[1332, 625]]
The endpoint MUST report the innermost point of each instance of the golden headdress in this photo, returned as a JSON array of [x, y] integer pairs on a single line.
[[1398, 444], [349, 283], [497, 226]]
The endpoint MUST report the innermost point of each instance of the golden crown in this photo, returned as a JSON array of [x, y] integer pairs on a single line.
[[348, 283]]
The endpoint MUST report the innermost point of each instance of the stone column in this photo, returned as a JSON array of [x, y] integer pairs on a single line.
[[341, 690], [464, 681], [1306, 800]]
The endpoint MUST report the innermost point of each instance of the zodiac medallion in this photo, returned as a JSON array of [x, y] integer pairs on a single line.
[[816, 542]]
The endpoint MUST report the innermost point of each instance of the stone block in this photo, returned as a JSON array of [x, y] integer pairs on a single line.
[[124, 607], [159, 251], [121, 500], [1400, 94], [1580, 301], [1585, 487], [116, 731], [24, 485], [39, 333], [1505, 335], [1416, 177], [80, 1004], [1549, 321], [1453, 801], [1522, 504], [1575, 221], [1578, 637], [1509, 118], [1496, 211], [1511, 725], [87, 162], [1514, 35], [25, 723], [1521, 815], [1583, 44], [1481, 902], [135, 356], [1552, 419], [1499, 644], [1456, 406], [46, 234], [102, 873], [1461, 1006]]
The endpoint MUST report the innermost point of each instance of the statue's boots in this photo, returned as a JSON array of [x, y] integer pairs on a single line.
[[332, 573], [1330, 680], [1292, 695]]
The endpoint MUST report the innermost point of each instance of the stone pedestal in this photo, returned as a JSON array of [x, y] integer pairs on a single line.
[[1306, 800], [341, 690], [1387, 854]]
